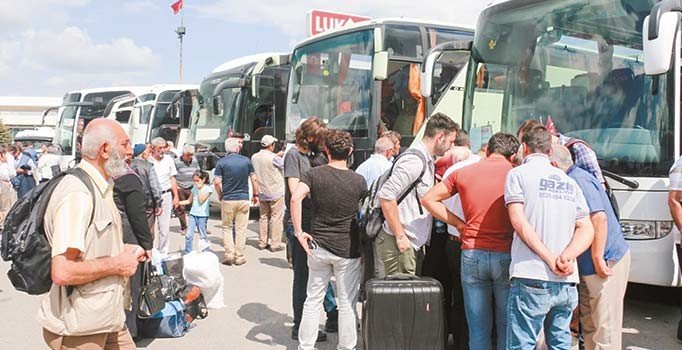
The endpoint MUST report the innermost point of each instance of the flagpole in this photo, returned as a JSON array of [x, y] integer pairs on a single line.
[[181, 33]]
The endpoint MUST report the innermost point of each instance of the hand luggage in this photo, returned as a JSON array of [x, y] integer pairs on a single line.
[[151, 299], [194, 302], [403, 312], [167, 323]]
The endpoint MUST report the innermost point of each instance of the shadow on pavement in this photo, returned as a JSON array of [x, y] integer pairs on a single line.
[[270, 328], [275, 262]]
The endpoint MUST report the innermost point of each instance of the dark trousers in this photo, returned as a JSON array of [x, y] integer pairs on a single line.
[[135, 284], [679, 260], [180, 211], [300, 284], [457, 316]]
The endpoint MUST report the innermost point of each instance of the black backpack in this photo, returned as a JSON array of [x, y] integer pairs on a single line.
[[371, 216], [23, 237]]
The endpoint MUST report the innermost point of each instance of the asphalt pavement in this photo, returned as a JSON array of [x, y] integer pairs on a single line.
[[258, 311]]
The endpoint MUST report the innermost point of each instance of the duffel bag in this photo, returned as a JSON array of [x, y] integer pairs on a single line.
[[168, 323]]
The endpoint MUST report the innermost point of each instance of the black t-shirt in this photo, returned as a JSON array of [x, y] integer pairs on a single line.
[[295, 165], [334, 196]]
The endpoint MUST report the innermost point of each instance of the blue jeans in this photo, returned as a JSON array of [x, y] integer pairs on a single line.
[[300, 284], [485, 283], [195, 222], [534, 304]]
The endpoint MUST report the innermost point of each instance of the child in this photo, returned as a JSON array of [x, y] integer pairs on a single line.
[[198, 216]]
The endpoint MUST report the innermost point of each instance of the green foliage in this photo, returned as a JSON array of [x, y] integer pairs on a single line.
[[5, 134]]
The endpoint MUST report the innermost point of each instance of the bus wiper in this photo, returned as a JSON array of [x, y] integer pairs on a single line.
[[630, 183]]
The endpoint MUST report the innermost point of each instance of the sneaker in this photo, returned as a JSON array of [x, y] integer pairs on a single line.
[[239, 262], [321, 336], [332, 324], [276, 249], [262, 246], [228, 262]]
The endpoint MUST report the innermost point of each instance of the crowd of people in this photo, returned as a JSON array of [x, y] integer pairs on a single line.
[[528, 236]]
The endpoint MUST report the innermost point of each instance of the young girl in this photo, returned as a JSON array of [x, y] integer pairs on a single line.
[[198, 216]]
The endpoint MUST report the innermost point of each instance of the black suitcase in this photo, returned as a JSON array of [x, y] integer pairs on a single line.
[[403, 312]]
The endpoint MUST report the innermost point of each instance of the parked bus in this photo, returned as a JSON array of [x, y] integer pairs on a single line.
[[148, 114], [365, 78], [582, 63], [77, 109], [245, 96]]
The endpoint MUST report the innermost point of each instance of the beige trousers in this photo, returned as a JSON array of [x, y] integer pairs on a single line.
[[237, 212], [102, 341], [601, 307], [271, 221], [7, 198]]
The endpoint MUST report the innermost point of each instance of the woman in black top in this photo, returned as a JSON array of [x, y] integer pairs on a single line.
[[129, 196]]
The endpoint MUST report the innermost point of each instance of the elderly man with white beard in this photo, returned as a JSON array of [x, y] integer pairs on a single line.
[[90, 264]]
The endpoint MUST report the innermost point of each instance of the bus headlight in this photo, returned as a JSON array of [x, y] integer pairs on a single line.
[[641, 230]]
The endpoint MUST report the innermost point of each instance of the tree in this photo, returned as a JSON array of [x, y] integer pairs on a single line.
[[5, 134]]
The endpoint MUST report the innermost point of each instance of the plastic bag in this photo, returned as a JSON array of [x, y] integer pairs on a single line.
[[202, 269]]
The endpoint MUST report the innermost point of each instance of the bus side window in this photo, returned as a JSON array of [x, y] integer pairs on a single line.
[[262, 122]]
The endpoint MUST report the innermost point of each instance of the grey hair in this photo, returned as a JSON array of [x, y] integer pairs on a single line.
[[187, 148], [158, 142], [382, 145], [231, 144], [93, 139], [561, 156]]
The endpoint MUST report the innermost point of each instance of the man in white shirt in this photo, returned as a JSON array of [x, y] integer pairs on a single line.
[[377, 163], [164, 166]]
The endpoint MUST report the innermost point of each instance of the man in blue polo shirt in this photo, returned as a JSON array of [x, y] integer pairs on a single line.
[[232, 174], [604, 269]]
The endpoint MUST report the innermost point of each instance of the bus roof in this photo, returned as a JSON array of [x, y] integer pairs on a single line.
[[133, 89], [245, 60], [165, 87], [382, 21]]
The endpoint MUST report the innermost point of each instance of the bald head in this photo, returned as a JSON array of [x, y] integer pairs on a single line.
[[561, 156], [383, 145], [99, 132], [106, 145]]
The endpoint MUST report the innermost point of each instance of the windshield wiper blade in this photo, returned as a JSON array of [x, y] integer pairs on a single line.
[[627, 182]]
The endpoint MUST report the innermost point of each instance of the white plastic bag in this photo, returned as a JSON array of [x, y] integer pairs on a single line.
[[202, 269]]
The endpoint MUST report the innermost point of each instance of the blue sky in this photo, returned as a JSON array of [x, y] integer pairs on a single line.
[[48, 47]]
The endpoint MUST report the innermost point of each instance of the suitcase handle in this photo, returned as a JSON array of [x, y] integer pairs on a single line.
[[401, 277]]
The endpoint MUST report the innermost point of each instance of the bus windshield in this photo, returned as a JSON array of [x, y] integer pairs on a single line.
[[579, 64], [331, 79], [212, 128], [162, 117]]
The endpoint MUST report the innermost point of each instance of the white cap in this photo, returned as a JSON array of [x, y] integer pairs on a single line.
[[267, 140]]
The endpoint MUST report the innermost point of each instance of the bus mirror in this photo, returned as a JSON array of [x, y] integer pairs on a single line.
[[380, 66], [659, 39], [446, 61], [427, 72], [218, 105], [255, 85]]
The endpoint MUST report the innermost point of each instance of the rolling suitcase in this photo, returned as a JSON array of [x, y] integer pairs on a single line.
[[403, 312]]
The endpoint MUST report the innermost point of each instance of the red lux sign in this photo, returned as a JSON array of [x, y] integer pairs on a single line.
[[322, 21]]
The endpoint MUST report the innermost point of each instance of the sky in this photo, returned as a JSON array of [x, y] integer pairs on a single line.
[[49, 47]]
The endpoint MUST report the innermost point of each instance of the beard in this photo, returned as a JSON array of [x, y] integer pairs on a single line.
[[441, 148], [116, 165]]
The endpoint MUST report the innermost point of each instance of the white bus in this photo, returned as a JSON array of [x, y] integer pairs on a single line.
[[581, 62], [77, 109], [147, 114], [365, 78]]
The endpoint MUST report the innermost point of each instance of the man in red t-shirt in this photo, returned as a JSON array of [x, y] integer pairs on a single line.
[[486, 237]]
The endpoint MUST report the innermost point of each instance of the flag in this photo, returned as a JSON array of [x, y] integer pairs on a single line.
[[177, 6], [549, 125]]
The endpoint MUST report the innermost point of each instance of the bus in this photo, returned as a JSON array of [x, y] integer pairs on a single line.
[[582, 64], [77, 109], [148, 114], [366, 78], [243, 96]]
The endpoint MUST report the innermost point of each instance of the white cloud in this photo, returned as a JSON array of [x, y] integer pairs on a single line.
[[70, 59], [15, 13], [140, 6], [290, 17]]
